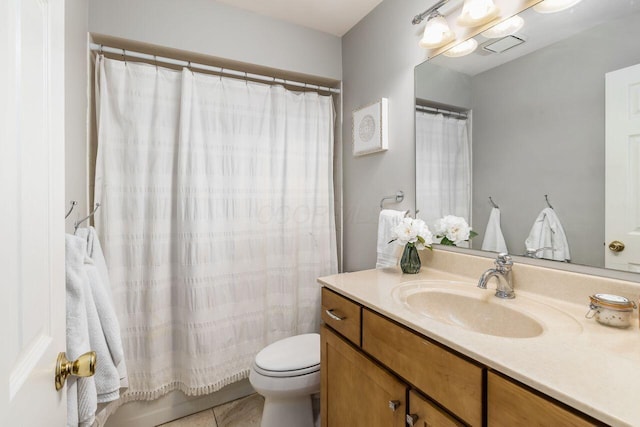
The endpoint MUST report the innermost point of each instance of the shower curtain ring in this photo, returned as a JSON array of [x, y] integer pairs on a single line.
[[124, 57]]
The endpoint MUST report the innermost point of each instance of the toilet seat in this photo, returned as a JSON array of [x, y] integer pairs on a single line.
[[290, 357]]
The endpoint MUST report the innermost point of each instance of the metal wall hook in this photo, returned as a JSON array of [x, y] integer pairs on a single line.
[[399, 196], [73, 204], [77, 223], [546, 198], [493, 203]]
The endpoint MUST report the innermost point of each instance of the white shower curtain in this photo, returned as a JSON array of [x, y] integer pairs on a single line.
[[443, 171], [217, 217]]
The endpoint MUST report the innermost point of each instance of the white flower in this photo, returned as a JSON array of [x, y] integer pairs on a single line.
[[413, 231], [454, 228]]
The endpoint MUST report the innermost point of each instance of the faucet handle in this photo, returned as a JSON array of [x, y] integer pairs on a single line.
[[504, 260]]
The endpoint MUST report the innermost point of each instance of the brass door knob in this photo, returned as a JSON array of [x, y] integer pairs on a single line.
[[84, 366], [616, 246]]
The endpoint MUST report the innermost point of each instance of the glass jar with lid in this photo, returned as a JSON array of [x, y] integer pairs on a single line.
[[611, 310]]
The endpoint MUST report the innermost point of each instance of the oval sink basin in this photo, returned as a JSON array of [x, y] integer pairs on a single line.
[[474, 314], [478, 310]]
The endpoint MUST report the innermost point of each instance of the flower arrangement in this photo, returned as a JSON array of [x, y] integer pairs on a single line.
[[453, 230], [414, 234]]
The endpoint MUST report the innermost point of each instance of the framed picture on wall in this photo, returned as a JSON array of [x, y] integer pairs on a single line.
[[370, 130]]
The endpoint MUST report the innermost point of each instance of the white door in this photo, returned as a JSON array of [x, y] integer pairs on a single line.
[[32, 307], [622, 188]]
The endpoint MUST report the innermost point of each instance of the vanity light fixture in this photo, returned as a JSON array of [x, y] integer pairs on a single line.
[[552, 6], [437, 32], [505, 28], [477, 12], [462, 49]]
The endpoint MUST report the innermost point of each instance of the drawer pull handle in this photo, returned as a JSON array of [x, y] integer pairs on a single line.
[[412, 419], [333, 315], [394, 404]]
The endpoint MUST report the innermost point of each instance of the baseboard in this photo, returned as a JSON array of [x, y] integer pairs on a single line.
[[174, 405]]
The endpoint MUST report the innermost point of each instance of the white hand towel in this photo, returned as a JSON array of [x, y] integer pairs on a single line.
[[104, 328], [493, 238], [388, 252], [81, 392], [547, 232]]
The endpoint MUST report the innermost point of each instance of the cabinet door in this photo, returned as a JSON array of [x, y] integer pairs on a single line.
[[354, 390], [423, 413], [512, 405], [453, 382]]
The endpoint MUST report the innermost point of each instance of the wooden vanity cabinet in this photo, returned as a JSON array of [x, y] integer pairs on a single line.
[[510, 404], [375, 372], [354, 390], [450, 380]]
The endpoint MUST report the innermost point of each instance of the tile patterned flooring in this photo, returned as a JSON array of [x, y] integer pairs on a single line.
[[245, 412]]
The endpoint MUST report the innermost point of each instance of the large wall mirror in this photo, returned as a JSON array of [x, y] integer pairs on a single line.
[[556, 114]]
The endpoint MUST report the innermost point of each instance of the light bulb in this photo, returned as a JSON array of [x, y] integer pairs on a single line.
[[462, 49], [552, 6], [504, 28], [436, 33], [477, 12]]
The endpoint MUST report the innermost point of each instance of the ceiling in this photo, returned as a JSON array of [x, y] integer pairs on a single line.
[[330, 16]]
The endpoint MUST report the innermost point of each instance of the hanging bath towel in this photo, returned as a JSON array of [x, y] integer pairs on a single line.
[[547, 232], [493, 238], [104, 328], [81, 392], [388, 252]]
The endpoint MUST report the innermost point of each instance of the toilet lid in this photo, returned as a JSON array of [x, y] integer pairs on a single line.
[[290, 354]]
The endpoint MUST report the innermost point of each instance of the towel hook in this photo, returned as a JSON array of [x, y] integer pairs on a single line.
[[73, 203], [493, 203], [77, 223], [399, 196], [546, 198]]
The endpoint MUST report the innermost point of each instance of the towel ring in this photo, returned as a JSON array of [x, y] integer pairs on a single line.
[[399, 196]]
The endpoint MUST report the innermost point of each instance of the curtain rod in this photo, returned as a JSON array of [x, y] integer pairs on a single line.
[[219, 70], [440, 110]]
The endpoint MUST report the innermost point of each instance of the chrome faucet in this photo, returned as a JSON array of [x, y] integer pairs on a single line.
[[502, 272]]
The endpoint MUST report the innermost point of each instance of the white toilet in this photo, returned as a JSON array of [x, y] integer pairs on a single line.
[[287, 373]]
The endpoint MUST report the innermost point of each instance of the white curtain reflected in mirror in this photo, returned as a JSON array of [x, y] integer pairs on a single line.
[[443, 166]]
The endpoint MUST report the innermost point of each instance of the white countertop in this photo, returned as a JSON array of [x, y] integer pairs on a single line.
[[591, 367]]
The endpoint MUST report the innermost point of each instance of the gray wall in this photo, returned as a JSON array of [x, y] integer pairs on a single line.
[[76, 18], [538, 128], [378, 57], [215, 29], [440, 85]]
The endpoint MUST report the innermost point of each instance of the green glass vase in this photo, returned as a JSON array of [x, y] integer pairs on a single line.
[[410, 261]]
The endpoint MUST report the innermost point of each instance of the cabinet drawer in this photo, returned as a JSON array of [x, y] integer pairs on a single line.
[[448, 379], [511, 405], [423, 413], [342, 315]]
